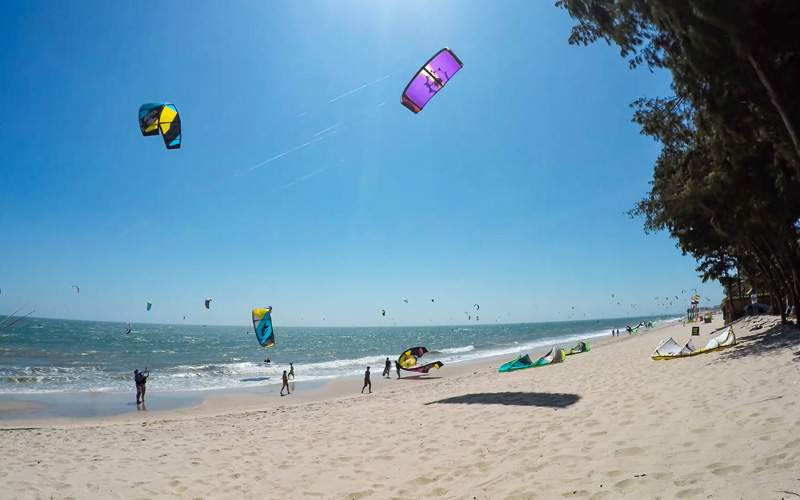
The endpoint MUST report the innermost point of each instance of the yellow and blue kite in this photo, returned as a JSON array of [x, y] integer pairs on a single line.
[[163, 116]]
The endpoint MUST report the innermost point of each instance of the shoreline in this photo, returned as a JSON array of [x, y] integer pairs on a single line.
[[608, 423], [115, 408]]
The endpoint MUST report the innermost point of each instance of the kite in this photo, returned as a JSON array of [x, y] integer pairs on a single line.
[[149, 305], [163, 116], [477, 307], [262, 323], [430, 79], [207, 303], [408, 360], [405, 300], [77, 288], [383, 312]]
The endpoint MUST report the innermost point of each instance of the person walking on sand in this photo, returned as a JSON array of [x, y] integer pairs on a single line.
[[291, 370], [285, 384], [367, 382], [397, 367], [387, 368]]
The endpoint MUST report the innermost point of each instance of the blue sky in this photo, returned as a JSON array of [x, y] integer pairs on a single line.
[[508, 190]]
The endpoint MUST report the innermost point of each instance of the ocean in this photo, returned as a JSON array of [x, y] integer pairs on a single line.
[[40, 356]]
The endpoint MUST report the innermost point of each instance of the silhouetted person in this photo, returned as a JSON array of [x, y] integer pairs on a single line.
[[291, 370], [367, 382], [285, 384], [140, 378], [387, 368], [397, 367]]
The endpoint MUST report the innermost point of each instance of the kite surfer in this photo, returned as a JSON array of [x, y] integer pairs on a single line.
[[291, 370], [397, 367], [267, 361], [285, 384], [367, 382], [140, 378], [387, 368]]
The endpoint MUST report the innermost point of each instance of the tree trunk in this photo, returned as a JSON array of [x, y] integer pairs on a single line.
[[773, 97]]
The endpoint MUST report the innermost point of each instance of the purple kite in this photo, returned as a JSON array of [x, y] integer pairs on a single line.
[[430, 79]]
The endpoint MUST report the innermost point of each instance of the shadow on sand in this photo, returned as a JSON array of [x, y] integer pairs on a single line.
[[419, 377], [546, 399], [765, 342]]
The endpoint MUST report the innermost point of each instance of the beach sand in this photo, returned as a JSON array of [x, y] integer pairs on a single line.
[[610, 423]]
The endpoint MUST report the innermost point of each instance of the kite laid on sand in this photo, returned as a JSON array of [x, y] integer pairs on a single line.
[[670, 349], [556, 355]]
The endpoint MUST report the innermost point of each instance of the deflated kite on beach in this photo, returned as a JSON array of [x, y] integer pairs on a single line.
[[163, 117], [579, 348], [430, 79], [520, 363], [670, 349], [262, 323], [409, 360]]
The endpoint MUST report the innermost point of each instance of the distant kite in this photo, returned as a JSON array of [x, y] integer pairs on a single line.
[[405, 300], [77, 288], [207, 303], [149, 305], [430, 79], [163, 116], [477, 307], [383, 312]]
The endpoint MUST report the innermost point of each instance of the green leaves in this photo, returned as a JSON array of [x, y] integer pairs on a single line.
[[726, 184]]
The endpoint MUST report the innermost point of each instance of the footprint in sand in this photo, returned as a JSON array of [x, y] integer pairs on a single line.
[[726, 469], [629, 452], [575, 494], [360, 494], [689, 493], [625, 485]]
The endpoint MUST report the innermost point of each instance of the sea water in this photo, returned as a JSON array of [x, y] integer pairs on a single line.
[[55, 356]]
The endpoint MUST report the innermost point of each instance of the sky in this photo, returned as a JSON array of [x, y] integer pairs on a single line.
[[304, 184]]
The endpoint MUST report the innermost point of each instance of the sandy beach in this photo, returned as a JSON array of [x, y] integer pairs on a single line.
[[610, 423]]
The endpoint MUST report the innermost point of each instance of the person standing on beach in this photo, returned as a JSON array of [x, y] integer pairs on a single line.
[[367, 382], [387, 368], [141, 379], [137, 379], [397, 367], [291, 370], [285, 384]]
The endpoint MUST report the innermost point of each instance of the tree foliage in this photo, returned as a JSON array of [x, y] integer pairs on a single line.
[[726, 184]]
